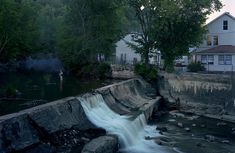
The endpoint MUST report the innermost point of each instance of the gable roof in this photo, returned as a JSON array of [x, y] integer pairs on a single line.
[[223, 49], [225, 13]]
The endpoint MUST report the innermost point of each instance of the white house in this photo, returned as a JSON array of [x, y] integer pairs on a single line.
[[126, 55], [217, 52]]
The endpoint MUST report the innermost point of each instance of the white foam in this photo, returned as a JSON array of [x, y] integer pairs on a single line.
[[131, 133]]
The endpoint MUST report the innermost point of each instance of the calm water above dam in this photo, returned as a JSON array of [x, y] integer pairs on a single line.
[[24, 90]]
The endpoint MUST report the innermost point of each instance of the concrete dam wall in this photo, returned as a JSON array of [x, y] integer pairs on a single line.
[[29, 129], [205, 93]]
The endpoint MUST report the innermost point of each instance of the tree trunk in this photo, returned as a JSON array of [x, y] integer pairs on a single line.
[[169, 64]]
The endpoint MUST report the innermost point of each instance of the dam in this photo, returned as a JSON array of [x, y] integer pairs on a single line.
[[118, 118], [121, 109]]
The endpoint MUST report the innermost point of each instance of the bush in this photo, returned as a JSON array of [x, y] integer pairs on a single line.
[[148, 73], [94, 71], [10, 91], [104, 70], [195, 67]]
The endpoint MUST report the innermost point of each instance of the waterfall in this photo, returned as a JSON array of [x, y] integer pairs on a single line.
[[130, 130]]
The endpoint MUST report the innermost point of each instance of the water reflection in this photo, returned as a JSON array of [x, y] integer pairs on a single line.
[[38, 88]]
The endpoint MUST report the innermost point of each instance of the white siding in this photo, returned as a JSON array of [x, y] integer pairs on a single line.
[[225, 37], [128, 54], [216, 66], [124, 50], [215, 28]]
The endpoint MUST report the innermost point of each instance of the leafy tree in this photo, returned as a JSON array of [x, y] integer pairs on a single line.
[[18, 29], [145, 13], [92, 28], [180, 25], [195, 67], [172, 26], [50, 17]]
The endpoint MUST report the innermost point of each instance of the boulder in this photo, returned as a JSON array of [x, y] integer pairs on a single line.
[[221, 124], [194, 125], [180, 125], [210, 138], [187, 129], [162, 128], [103, 144], [17, 133], [42, 148], [226, 141]]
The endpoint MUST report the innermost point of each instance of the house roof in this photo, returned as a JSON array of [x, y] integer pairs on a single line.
[[225, 13], [223, 49]]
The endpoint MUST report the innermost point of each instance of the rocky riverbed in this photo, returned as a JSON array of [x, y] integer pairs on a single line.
[[189, 133]]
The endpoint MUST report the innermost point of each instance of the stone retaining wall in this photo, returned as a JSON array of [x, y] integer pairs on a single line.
[[200, 93]]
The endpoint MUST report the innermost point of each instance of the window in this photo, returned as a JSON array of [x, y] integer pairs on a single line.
[[221, 59], [225, 59], [207, 59], [209, 43], [212, 40], [204, 59], [215, 41], [210, 59], [225, 25], [228, 59]]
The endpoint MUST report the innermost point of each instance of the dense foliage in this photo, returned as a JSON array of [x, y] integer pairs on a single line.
[[91, 29], [171, 26], [149, 73], [94, 71], [84, 32], [195, 67], [18, 29]]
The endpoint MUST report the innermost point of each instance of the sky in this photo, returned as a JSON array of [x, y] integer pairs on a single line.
[[229, 6]]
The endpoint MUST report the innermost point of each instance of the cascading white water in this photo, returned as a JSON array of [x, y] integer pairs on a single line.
[[131, 133]]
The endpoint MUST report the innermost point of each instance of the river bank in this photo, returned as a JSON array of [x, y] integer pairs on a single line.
[[189, 133], [209, 95]]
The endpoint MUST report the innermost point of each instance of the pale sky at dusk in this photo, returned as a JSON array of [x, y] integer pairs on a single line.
[[229, 6]]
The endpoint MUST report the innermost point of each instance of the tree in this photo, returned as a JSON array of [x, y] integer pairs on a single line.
[[91, 27], [50, 16], [172, 26], [18, 29], [145, 14], [180, 25]]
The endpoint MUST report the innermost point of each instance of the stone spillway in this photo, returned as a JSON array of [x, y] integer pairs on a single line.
[[32, 127]]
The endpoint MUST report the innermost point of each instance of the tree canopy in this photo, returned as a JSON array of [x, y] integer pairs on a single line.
[[171, 26], [18, 29], [92, 28], [79, 31]]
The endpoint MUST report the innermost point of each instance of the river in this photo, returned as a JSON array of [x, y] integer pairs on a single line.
[[20, 91]]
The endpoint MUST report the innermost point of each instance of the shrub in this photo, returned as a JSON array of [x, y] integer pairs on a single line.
[[94, 71], [147, 72], [195, 67], [10, 91], [104, 70]]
